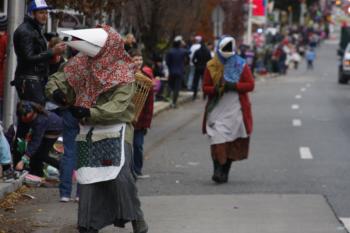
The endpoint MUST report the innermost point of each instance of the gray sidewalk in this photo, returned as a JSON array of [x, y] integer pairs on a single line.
[[161, 106], [243, 213], [9, 187]]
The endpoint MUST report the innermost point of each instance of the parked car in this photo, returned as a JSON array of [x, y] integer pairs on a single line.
[[344, 67]]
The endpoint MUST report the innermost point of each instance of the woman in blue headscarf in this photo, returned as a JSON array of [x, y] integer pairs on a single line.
[[228, 117]]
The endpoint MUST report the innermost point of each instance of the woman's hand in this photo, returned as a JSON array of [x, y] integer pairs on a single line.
[[80, 112], [24, 162], [228, 86], [20, 166]]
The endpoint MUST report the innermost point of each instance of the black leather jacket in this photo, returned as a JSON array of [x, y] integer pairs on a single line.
[[31, 50]]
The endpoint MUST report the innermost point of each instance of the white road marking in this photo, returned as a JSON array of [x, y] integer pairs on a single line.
[[308, 85], [305, 153], [298, 96], [303, 89], [193, 163], [346, 222], [295, 106], [297, 122]]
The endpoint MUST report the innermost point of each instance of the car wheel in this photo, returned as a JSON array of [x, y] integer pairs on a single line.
[[342, 79]]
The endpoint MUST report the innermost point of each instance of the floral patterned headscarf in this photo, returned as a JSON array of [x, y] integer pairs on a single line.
[[92, 76]]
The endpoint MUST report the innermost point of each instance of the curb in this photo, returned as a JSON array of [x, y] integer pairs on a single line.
[[162, 106], [6, 188]]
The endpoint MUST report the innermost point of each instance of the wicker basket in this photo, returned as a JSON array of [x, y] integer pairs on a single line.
[[143, 86]]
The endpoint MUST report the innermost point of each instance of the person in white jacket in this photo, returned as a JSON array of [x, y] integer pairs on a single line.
[[196, 46]]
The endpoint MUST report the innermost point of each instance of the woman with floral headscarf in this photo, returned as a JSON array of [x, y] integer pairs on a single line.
[[97, 86], [228, 117]]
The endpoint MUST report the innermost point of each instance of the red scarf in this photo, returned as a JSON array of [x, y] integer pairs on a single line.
[[92, 76]]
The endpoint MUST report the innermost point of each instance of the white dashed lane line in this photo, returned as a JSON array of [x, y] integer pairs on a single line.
[[295, 106], [346, 222], [303, 89], [305, 153], [298, 97], [297, 122]]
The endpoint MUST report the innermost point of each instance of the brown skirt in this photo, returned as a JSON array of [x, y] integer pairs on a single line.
[[235, 151]]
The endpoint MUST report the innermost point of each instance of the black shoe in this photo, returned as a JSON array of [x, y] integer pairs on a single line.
[[226, 170], [139, 226], [218, 175]]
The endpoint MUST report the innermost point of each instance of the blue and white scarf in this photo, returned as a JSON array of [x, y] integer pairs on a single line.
[[233, 66]]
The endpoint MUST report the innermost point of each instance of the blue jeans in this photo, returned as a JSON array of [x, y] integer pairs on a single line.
[[139, 135], [69, 159]]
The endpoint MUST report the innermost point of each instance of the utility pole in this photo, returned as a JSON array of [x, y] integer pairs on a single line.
[[15, 17], [249, 27], [218, 18]]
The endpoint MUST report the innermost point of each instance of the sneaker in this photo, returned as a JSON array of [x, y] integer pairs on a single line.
[[65, 199]]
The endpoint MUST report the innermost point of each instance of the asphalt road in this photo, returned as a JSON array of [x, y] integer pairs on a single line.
[[300, 146], [178, 157]]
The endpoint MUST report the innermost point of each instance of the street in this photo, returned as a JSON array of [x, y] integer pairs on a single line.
[[295, 180]]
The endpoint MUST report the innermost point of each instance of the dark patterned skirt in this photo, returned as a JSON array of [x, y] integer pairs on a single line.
[[110, 202]]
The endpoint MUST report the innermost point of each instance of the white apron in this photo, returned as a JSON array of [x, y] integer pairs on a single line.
[[225, 122], [89, 175]]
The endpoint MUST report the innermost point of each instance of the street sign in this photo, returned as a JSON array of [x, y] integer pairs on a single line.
[[218, 18]]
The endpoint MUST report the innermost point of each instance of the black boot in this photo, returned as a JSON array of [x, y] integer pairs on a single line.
[[139, 226], [226, 170], [218, 175]]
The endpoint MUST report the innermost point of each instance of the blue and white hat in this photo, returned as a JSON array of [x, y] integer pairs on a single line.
[[37, 5]]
